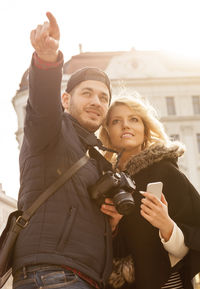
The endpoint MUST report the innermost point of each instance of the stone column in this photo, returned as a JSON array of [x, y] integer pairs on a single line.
[[189, 141]]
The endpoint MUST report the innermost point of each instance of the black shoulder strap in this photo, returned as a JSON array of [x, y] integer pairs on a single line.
[[22, 220], [103, 164]]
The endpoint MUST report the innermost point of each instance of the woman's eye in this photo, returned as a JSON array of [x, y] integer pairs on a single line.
[[115, 121], [134, 119]]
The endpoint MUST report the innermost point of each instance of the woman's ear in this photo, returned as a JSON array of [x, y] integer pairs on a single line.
[[65, 99]]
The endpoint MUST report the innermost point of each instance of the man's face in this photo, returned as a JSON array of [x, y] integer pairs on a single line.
[[88, 104]]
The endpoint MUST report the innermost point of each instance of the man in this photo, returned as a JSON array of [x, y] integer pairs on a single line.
[[68, 241]]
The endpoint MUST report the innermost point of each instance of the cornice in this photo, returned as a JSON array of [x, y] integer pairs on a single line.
[[176, 118], [161, 80]]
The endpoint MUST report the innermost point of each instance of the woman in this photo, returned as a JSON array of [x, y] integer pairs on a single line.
[[162, 236]]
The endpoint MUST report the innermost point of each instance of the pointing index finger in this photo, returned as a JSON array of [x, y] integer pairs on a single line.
[[53, 26], [52, 19]]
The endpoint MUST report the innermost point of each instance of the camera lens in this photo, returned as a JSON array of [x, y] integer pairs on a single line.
[[123, 202]]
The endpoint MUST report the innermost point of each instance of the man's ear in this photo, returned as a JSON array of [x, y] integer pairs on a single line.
[[65, 99]]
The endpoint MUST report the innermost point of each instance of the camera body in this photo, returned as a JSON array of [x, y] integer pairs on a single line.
[[117, 186]]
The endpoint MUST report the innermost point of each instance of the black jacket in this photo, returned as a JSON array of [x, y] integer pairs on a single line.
[[141, 239], [69, 229]]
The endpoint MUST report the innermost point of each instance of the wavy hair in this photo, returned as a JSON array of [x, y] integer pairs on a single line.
[[154, 131]]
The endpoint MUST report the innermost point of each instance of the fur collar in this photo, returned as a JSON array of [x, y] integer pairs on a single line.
[[154, 154]]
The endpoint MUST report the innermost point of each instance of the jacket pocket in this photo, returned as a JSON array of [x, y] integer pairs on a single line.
[[67, 229]]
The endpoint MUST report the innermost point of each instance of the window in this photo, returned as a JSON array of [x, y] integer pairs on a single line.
[[174, 137], [198, 142], [170, 105], [196, 104]]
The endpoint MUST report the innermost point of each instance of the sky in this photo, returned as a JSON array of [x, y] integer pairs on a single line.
[[99, 25]]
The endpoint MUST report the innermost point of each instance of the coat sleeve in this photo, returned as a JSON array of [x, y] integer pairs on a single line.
[[43, 110], [184, 208]]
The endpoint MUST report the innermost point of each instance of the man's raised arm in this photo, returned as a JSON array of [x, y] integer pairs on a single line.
[[44, 110]]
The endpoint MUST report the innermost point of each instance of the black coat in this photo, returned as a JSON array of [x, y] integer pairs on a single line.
[[69, 228], [141, 239]]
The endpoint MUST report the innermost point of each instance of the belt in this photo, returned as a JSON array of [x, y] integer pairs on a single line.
[[83, 276], [33, 268]]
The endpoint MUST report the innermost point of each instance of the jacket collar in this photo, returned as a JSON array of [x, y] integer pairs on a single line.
[[154, 154]]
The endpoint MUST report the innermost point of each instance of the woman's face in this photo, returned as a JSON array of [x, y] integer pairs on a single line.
[[125, 129]]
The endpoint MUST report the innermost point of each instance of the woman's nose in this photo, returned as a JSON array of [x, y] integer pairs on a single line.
[[125, 124]]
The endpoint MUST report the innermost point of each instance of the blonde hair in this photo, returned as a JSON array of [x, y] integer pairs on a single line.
[[154, 131]]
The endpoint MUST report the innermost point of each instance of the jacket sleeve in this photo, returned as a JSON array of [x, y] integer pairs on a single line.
[[184, 205], [184, 208], [44, 110]]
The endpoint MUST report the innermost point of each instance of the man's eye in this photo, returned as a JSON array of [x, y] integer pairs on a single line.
[[86, 93], [104, 98]]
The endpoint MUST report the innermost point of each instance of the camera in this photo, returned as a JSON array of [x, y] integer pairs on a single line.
[[117, 186]]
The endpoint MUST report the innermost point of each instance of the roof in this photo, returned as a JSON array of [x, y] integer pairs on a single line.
[[93, 59]]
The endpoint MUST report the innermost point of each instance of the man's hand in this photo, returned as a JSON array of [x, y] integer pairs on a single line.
[[45, 39], [109, 209]]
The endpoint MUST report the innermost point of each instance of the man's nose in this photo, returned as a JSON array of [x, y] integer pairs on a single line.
[[96, 100]]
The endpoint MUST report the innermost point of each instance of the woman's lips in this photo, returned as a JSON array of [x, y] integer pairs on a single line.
[[127, 135]]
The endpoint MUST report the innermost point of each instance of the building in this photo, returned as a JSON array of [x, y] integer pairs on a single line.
[[7, 205], [170, 83]]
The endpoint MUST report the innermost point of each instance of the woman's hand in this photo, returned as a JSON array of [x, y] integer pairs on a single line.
[[109, 209], [155, 211]]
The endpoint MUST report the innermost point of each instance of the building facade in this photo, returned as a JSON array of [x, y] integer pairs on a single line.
[[7, 205]]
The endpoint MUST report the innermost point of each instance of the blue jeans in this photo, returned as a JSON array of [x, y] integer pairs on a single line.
[[48, 277]]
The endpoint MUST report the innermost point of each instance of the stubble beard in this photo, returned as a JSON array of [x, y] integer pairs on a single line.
[[88, 124]]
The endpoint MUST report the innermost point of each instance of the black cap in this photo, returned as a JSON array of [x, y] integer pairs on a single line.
[[88, 73]]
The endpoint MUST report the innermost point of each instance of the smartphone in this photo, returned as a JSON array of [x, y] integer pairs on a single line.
[[155, 189]]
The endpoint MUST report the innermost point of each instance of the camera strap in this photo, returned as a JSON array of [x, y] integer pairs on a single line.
[[103, 164], [90, 141], [118, 158]]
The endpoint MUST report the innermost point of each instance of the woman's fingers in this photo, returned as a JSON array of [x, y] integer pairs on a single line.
[[151, 201], [151, 197], [154, 210], [163, 200]]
